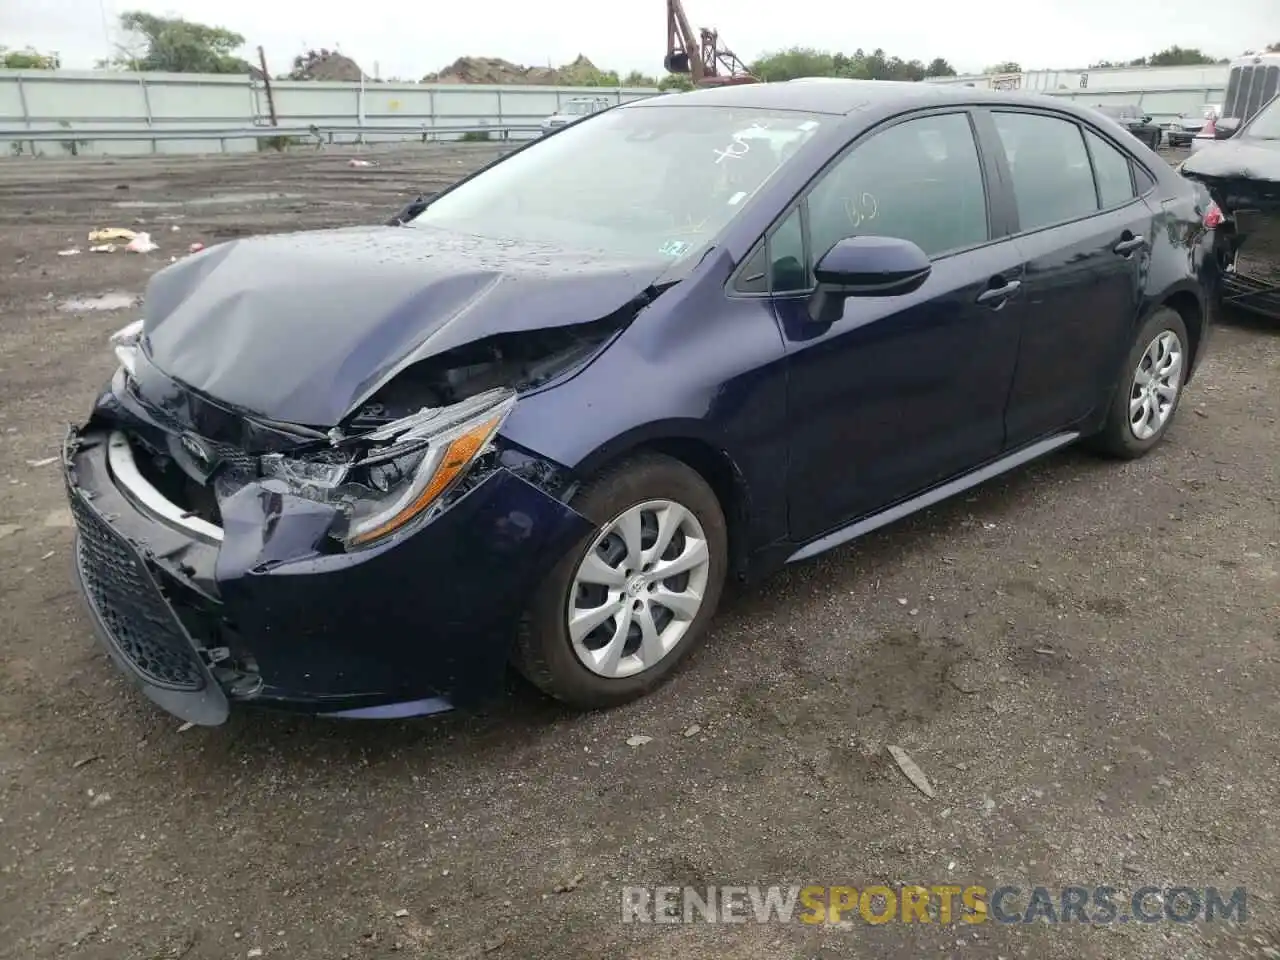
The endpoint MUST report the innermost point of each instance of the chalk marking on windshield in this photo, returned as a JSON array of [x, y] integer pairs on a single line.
[[675, 248], [737, 198], [731, 151], [738, 146]]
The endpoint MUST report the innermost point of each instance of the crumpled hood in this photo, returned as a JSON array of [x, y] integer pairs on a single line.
[[1239, 173], [303, 327]]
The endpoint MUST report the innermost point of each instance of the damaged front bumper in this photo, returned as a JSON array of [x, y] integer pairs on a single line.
[[1244, 181], [202, 615]]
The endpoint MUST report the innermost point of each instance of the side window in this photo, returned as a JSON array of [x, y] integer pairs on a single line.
[[1111, 167], [1144, 179], [1052, 179], [777, 265], [788, 271], [919, 180]]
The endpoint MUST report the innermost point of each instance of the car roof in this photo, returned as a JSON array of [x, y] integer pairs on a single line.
[[839, 96]]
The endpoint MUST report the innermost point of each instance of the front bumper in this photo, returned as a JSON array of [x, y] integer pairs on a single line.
[[253, 612]]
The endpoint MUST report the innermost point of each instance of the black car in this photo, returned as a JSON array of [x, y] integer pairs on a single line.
[[1133, 119], [1242, 175], [543, 418]]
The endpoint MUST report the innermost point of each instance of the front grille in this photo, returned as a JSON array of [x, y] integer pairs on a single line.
[[137, 619], [232, 456]]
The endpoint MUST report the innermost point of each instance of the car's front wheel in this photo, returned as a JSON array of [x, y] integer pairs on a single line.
[[1150, 387], [620, 611]]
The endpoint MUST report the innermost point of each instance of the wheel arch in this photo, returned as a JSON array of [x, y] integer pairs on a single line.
[[687, 443], [1188, 305]]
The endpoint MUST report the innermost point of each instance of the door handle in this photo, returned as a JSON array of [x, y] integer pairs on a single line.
[[998, 295], [1127, 246]]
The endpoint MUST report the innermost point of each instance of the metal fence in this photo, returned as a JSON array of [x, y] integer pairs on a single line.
[[59, 112], [1163, 92], [63, 111]]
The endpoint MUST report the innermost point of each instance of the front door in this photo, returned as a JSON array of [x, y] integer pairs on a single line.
[[904, 392]]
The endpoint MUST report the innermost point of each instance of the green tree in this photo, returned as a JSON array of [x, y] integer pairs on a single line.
[[174, 45], [1273, 48], [807, 62], [1176, 56], [793, 63], [637, 79], [28, 59], [678, 82], [1008, 66]]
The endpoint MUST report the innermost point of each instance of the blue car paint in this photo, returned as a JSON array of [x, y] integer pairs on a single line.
[[811, 433]]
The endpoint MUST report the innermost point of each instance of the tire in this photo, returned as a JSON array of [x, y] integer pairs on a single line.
[[1120, 437], [546, 652]]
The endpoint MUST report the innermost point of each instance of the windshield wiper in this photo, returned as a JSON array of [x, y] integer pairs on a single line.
[[413, 209]]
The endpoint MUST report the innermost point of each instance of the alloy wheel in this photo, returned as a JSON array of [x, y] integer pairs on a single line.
[[1156, 382], [638, 589]]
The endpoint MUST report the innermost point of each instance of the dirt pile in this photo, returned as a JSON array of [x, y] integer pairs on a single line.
[[495, 70], [325, 65]]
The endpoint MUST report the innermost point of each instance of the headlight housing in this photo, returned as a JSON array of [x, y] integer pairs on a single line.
[[125, 342], [383, 480]]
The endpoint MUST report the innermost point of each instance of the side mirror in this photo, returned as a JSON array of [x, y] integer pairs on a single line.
[[1228, 126], [866, 267]]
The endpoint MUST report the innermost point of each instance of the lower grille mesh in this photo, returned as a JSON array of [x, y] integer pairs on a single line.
[[138, 620]]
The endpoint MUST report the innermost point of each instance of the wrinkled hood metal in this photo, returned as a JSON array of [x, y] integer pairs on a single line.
[[304, 327], [1241, 173]]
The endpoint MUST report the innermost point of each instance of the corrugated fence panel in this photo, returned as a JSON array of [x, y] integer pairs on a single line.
[[87, 101], [167, 103]]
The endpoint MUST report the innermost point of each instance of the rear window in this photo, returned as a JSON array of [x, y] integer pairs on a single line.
[[1266, 125], [1249, 88]]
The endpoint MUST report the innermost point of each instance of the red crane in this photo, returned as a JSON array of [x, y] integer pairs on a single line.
[[707, 62]]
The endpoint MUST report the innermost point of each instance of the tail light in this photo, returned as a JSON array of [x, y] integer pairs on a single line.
[[1213, 217]]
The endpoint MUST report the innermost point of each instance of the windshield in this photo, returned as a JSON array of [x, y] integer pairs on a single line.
[[576, 108], [1266, 125], [652, 180]]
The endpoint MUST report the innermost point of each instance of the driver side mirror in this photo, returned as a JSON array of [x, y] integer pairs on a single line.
[[1228, 125], [865, 267]]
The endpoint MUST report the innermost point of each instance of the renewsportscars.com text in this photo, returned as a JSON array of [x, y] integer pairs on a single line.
[[935, 903]]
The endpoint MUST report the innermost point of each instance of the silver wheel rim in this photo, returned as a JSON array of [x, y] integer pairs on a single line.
[[638, 589], [1155, 386]]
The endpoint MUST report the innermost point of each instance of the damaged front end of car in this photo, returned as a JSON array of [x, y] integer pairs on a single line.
[[1244, 181], [375, 568]]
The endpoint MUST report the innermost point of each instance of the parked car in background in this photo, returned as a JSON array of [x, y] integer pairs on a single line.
[[1251, 82], [1180, 131], [573, 110], [359, 472], [1133, 119], [1243, 178]]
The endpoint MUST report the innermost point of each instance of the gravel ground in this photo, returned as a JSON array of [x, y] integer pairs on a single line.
[[1082, 656]]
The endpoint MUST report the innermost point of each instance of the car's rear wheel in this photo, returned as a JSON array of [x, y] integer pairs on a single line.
[[620, 611], [1150, 387]]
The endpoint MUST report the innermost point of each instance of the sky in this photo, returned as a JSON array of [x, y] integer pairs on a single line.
[[407, 38]]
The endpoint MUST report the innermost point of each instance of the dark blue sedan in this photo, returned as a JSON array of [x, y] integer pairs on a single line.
[[540, 418]]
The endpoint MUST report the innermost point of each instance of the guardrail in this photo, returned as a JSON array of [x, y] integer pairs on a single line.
[[321, 135]]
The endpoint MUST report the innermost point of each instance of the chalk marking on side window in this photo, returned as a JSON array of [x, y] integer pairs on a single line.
[[859, 211]]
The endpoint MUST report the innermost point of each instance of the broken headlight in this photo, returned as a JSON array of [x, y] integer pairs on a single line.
[[384, 479], [125, 344]]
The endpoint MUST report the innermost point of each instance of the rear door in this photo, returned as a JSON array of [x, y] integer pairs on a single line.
[[1084, 233]]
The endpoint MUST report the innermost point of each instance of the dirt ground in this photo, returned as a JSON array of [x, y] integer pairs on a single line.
[[1083, 657]]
